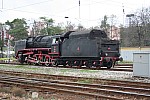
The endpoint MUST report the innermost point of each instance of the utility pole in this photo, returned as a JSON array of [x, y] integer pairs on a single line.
[[34, 29], [139, 34], [79, 25], [130, 28], [123, 13], [129, 16], [2, 38], [8, 50], [111, 27], [2, 4], [67, 29], [79, 9]]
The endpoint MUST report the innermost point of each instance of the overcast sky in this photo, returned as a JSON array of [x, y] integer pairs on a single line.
[[91, 11]]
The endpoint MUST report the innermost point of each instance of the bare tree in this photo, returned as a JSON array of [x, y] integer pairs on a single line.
[[142, 24], [69, 26], [137, 33]]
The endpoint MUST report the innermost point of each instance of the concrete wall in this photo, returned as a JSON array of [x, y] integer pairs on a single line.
[[127, 52]]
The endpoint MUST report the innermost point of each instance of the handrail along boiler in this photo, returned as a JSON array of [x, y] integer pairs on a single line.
[[74, 48]]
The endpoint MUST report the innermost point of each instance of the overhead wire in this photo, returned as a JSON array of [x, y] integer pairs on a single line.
[[32, 12], [94, 2], [84, 20], [30, 4]]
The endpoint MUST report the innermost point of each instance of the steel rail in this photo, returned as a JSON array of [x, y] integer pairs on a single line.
[[73, 78], [85, 88], [42, 87], [93, 68]]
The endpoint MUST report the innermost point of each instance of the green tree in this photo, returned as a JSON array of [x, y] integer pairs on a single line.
[[18, 28], [50, 29], [104, 24]]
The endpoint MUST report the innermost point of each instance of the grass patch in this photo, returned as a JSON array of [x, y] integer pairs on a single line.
[[15, 66], [64, 70], [25, 67], [87, 81], [20, 66], [2, 59], [88, 71], [125, 62]]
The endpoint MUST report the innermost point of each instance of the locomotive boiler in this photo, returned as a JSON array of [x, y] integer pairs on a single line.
[[90, 48]]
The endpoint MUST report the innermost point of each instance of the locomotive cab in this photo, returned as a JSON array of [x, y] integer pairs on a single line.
[[55, 44]]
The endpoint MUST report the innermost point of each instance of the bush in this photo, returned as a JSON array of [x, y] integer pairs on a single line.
[[5, 89], [18, 92]]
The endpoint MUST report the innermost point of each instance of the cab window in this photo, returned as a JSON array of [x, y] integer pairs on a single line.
[[55, 40]]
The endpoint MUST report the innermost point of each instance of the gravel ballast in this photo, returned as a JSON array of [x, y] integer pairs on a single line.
[[104, 74]]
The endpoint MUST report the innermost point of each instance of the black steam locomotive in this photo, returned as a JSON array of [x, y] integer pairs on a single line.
[[83, 48]]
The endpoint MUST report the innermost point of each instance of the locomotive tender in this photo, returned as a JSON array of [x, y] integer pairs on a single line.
[[73, 48]]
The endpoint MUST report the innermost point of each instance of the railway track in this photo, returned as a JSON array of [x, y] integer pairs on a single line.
[[119, 67], [97, 88], [92, 90]]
